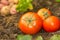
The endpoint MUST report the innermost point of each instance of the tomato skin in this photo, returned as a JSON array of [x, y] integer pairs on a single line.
[[42, 12], [51, 24], [32, 27]]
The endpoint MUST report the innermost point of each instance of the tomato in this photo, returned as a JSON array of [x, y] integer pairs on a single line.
[[30, 23], [51, 24], [43, 13]]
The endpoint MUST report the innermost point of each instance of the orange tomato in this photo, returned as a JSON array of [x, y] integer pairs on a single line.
[[43, 13], [30, 23]]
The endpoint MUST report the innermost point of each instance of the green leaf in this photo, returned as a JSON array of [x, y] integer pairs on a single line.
[[19, 37], [55, 37], [39, 38], [29, 1], [30, 6], [27, 37], [24, 37], [57, 0], [23, 5]]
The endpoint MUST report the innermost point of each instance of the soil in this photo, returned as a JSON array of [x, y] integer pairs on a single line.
[[8, 24]]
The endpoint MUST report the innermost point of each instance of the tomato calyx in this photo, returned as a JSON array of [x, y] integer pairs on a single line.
[[29, 20], [46, 15]]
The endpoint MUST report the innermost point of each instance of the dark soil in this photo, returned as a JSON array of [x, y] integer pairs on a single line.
[[8, 24]]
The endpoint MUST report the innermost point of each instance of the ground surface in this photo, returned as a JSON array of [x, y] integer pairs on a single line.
[[8, 24]]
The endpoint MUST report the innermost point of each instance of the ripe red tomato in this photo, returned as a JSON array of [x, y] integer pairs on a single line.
[[51, 24], [43, 13], [30, 23]]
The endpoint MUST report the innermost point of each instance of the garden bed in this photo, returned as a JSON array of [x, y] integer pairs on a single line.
[[8, 24]]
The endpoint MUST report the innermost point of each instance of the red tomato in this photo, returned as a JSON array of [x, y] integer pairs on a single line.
[[51, 24], [30, 23], [43, 13]]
